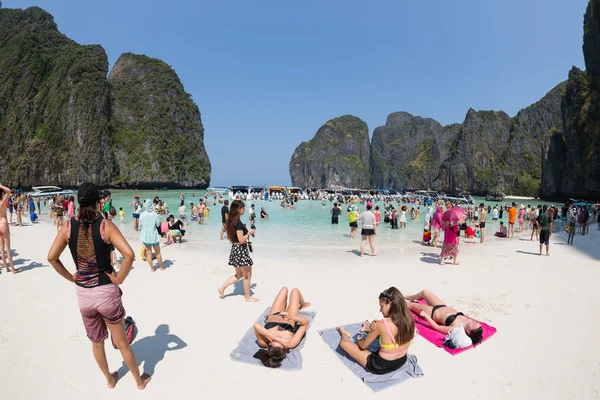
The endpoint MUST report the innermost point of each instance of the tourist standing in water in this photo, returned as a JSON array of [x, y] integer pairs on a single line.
[[239, 257], [335, 214], [484, 214], [352, 216], [137, 209], [224, 217], [5, 251], [367, 221], [377, 218], [149, 223], [89, 237]]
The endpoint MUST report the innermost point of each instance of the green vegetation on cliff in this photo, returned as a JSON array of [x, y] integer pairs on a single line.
[[57, 123]]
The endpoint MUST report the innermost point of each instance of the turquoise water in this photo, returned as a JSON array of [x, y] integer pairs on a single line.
[[308, 225]]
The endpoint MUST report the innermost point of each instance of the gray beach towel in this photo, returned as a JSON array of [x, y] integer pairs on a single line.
[[410, 369], [248, 346]]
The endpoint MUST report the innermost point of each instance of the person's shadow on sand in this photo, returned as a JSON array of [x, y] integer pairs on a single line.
[[152, 349]]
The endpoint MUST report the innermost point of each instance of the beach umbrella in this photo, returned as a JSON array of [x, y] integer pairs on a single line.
[[454, 215]]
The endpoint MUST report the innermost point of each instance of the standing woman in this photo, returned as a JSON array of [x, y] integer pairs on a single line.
[[149, 223], [5, 231], [71, 207], [436, 224], [450, 247], [239, 258], [20, 202], [89, 237], [521, 218]]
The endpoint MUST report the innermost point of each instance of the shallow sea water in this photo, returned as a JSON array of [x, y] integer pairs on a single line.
[[309, 225]]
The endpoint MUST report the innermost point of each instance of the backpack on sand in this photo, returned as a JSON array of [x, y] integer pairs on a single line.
[[130, 331]]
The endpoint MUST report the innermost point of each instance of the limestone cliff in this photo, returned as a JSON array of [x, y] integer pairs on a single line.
[[54, 104], [62, 122], [571, 165], [337, 155], [157, 130], [405, 153]]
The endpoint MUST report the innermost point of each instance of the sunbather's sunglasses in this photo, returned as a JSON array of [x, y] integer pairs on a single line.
[[385, 296]]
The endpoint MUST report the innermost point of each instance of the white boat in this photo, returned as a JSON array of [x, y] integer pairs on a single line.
[[217, 189], [43, 191], [458, 197]]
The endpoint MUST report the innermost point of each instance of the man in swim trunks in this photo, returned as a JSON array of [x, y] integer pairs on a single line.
[[200, 211], [544, 228], [224, 217], [483, 213], [512, 218]]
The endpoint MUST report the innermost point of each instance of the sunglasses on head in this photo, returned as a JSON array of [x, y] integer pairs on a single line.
[[385, 296]]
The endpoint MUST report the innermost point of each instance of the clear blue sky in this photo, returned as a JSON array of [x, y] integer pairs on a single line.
[[267, 74]]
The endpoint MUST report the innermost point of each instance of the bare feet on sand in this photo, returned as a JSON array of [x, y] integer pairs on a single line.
[[343, 333], [114, 378], [251, 299], [145, 380], [221, 293]]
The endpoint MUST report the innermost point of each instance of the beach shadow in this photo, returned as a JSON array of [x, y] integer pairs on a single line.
[[238, 289], [20, 261], [167, 264], [528, 252], [31, 266], [355, 252], [152, 349], [430, 258]]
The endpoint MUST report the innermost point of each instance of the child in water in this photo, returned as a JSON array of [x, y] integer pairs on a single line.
[[121, 215]]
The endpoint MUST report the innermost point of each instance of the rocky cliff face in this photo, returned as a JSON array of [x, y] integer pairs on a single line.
[[157, 131], [496, 153], [337, 155], [571, 163], [488, 152], [58, 125], [54, 104], [405, 152]]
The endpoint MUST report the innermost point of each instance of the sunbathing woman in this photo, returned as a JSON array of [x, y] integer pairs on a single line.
[[283, 329], [395, 332], [443, 318]]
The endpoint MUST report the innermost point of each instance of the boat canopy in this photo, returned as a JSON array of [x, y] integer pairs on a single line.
[[240, 189], [276, 189]]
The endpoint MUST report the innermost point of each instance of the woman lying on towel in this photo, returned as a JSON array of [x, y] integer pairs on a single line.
[[283, 329], [443, 318], [395, 332]]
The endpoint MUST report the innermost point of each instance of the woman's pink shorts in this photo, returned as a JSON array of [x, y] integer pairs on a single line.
[[100, 305]]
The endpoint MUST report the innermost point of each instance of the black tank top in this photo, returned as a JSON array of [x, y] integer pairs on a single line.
[[90, 254]]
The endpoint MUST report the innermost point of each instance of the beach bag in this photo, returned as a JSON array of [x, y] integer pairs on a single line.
[[131, 331]]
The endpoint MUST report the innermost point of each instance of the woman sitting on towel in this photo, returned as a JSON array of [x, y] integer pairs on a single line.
[[443, 318], [283, 329], [395, 332]]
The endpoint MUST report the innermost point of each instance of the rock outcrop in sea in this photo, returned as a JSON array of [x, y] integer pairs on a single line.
[[338, 155], [63, 122]]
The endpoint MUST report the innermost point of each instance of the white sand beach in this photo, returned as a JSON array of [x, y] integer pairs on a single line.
[[543, 307]]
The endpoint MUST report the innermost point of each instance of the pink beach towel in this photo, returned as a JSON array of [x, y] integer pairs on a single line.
[[437, 338]]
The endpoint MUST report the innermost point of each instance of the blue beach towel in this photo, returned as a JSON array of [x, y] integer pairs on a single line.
[[410, 369], [248, 346]]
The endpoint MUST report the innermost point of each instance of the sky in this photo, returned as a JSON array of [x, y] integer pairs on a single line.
[[267, 74]]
